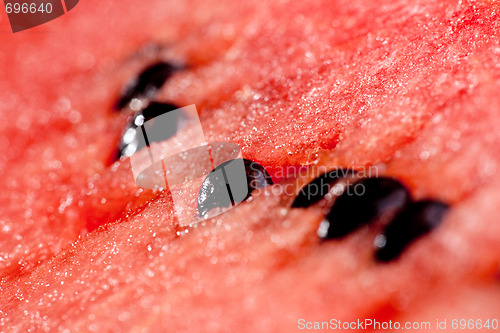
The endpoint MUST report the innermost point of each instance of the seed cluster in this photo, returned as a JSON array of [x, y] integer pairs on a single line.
[[383, 200]]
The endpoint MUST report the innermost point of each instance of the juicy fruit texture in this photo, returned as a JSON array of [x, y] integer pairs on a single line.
[[409, 87]]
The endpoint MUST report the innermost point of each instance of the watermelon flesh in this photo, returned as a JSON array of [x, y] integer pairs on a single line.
[[411, 88]]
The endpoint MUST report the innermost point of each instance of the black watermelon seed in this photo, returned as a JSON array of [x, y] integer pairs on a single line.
[[319, 187], [416, 220], [231, 183], [147, 83], [157, 131], [363, 202]]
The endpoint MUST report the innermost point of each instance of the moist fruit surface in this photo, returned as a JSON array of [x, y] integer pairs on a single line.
[[407, 87]]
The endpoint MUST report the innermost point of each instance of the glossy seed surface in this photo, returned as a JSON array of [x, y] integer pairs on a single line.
[[146, 84], [157, 130], [231, 183], [319, 187], [363, 202], [416, 220]]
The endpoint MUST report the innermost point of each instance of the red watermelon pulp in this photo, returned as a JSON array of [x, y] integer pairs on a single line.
[[409, 87]]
